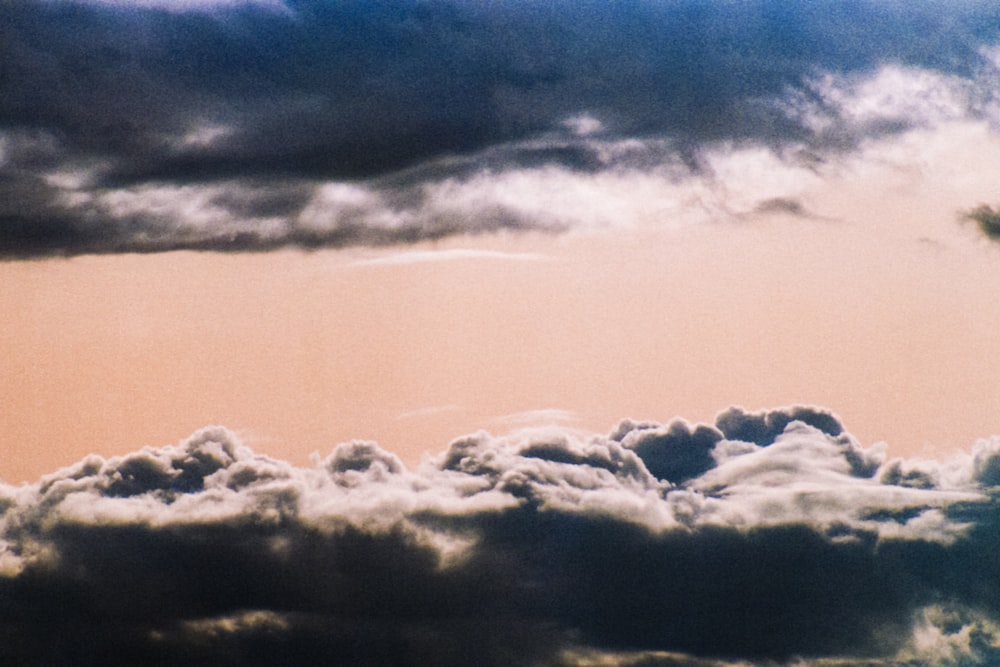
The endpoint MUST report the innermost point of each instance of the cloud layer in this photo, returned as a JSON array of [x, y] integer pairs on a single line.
[[763, 538], [235, 126]]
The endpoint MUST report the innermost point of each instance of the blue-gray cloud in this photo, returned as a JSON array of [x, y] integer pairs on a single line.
[[987, 219], [169, 125], [658, 544]]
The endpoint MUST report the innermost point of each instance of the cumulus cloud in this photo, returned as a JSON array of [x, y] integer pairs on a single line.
[[250, 125], [763, 538]]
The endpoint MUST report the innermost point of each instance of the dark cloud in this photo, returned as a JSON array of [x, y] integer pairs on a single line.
[[674, 453], [761, 428], [782, 205], [256, 105], [660, 545], [987, 219]]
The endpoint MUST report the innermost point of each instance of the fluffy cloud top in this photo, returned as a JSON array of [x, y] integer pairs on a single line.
[[765, 537], [238, 125]]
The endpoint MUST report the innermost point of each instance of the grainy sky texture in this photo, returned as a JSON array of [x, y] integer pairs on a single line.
[[557, 226]]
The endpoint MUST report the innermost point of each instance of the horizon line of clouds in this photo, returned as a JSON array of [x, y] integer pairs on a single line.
[[528, 141], [762, 538]]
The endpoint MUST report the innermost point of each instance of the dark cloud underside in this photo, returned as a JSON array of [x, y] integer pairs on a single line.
[[244, 97], [539, 548]]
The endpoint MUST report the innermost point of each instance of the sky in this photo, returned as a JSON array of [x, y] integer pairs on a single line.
[[558, 333]]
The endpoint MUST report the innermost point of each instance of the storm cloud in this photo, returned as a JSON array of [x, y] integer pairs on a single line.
[[236, 126], [764, 538]]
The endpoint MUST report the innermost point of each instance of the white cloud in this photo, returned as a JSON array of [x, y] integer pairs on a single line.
[[949, 635], [892, 97], [541, 417], [583, 125], [448, 254], [334, 202], [429, 411], [183, 213], [206, 135]]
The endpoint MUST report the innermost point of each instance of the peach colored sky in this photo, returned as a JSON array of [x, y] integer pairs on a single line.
[[880, 307], [872, 300]]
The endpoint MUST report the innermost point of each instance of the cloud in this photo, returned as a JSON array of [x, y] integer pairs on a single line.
[[762, 428], [842, 109], [987, 219], [657, 544], [180, 6], [430, 411], [542, 417], [676, 452], [240, 126], [450, 254]]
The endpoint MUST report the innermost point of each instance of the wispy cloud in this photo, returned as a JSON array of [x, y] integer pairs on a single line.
[[533, 418], [758, 538], [449, 254], [431, 411]]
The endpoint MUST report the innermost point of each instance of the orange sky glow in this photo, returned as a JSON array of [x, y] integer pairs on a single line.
[[413, 347], [515, 332]]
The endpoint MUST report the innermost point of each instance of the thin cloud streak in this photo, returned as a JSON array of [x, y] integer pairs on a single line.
[[429, 411], [543, 416], [448, 255]]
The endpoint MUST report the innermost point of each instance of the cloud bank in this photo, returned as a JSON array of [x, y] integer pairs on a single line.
[[764, 538], [247, 126]]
